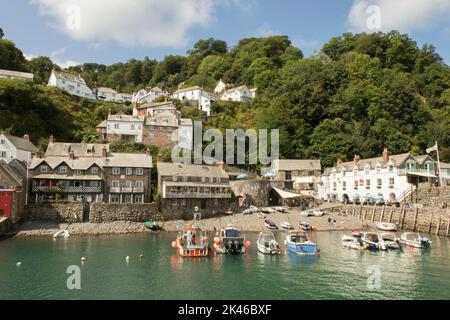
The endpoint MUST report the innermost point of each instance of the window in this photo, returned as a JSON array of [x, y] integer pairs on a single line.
[[379, 183], [183, 202], [77, 173], [140, 171], [133, 127], [94, 170], [2, 141], [63, 169], [3, 154], [116, 171], [174, 178], [127, 198], [128, 184], [344, 185], [116, 126], [391, 168], [334, 186], [115, 198], [138, 199], [288, 175], [95, 183], [140, 184], [44, 168], [116, 184], [367, 170], [391, 182], [356, 184], [129, 171], [367, 183]]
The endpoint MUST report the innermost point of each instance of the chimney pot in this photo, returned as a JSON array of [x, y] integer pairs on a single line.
[[385, 156], [104, 152], [72, 155], [356, 159]]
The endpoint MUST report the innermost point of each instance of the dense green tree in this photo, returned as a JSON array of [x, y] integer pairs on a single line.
[[41, 67]]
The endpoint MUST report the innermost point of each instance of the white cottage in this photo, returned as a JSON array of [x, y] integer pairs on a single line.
[[200, 96], [75, 85], [12, 147], [148, 95], [238, 94], [15, 75], [392, 178], [122, 127]]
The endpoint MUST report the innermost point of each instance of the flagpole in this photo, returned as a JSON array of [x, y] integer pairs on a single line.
[[439, 165]]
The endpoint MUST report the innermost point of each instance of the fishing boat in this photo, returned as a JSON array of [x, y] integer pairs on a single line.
[[298, 241], [267, 244], [151, 225], [230, 241], [267, 210], [61, 234], [352, 242], [372, 241], [391, 240], [281, 209], [306, 213], [415, 240], [192, 242], [386, 226], [286, 225], [270, 225], [306, 226]]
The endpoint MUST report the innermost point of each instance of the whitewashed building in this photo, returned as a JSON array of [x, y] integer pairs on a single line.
[[15, 75], [110, 95], [392, 178], [200, 96], [221, 87], [238, 94], [17, 148], [122, 127], [148, 95], [75, 85]]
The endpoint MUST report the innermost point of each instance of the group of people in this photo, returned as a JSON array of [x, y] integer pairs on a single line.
[[332, 223]]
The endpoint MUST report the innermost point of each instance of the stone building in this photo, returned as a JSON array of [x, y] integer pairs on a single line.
[[88, 173], [183, 187]]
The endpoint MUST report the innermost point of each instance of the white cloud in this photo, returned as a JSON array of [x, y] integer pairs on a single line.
[[29, 56], [401, 15], [266, 31], [145, 23], [63, 63]]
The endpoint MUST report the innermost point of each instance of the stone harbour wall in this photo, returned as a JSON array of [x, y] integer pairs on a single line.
[[55, 212], [108, 212]]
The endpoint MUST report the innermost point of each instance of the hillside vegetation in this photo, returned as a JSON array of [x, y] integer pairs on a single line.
[[359, 94]]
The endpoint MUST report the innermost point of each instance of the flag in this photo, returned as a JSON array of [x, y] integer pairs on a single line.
[[434, 148]]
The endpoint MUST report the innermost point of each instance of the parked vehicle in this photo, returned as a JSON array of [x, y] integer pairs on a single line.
[[281, 209], [318, 213], [307, 213], [229, 212], [306, 226], [267, 210], [380, 202]]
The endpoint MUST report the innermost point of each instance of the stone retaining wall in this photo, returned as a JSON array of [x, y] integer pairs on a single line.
[[426, 220], [108, 212], [55, 212]]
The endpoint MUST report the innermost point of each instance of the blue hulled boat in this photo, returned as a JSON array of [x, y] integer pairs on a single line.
[[298, 241]]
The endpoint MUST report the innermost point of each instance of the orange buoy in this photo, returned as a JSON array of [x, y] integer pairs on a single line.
[[174, 244], [247, 244]]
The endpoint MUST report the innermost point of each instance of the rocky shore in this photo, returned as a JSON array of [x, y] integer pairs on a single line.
[[247, 223]]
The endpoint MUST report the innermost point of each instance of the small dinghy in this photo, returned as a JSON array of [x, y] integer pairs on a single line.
[[286, 225], [318, 213], [306, 213], [415, 240], [261, 215], [306, 226], [385, 226], [352, 242], [267, 210], [61, 234], [270, 225], [151, 225], [267, 244], [390, 239]]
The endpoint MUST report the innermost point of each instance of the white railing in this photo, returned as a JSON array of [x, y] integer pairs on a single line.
[[138, 190], [404, 172], [62, 189], [197, 195], [114, 190]]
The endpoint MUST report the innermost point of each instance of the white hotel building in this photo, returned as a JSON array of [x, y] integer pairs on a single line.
[[392, 178]]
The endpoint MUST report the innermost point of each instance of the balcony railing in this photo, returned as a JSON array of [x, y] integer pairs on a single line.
[[197, 195], [404, 172], [125, 190], [138, 190], [115, 190], [62, 189]]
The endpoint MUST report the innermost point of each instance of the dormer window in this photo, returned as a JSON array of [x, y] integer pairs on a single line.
[[44, 168]]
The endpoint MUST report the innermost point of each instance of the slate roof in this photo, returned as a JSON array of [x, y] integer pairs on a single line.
[[190, 170], [62, 149], [298, 165], [21, 143]]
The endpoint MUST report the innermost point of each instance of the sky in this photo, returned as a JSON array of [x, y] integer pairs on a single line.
[[103, 31]]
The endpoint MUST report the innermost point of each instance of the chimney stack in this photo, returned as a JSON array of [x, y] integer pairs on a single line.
[[26, 137], [385, 156], [356, 159], [339, 162], [72, 154], [51, 139], [148, 152], [222, 165], [104, 152], [159, 158]]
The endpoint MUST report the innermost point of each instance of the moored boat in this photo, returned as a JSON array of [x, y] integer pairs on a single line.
[[415, 240], [298, 241], [230, 241], [260, 215], [372, 241], [352, 242], [270, 225], [192, 243], [386, 226], [267, 244], [306, 226], [61, 234], [151, 225], [318, 213], [286, 225], [390, 239]]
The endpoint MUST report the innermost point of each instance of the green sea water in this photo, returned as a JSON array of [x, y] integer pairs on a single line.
[[338, 273]]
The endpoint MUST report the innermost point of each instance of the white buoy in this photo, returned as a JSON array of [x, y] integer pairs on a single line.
[[127, 259], [19, 264], [83, 259], [141, 256]]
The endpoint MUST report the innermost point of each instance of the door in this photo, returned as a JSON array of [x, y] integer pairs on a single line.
[[5, 203]]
